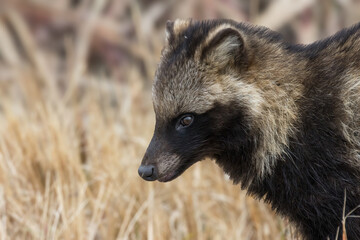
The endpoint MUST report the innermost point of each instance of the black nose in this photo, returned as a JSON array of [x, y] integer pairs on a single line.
[[148, 172]]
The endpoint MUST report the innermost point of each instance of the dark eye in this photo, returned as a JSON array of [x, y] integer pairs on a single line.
[[185, 121]]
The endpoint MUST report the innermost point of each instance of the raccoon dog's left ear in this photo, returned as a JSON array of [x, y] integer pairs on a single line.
[[224, 47], [174, 28], [169, 32]]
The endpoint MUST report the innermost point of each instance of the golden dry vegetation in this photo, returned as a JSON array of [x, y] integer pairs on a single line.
[[76, 117]]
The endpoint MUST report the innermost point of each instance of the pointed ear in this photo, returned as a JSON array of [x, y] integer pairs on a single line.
[[175, 28], [224, 47], [169, 32]]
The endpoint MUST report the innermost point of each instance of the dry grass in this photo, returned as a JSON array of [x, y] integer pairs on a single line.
[[76, 117]]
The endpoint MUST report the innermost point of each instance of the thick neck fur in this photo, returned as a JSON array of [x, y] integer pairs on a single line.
[[307, 133]]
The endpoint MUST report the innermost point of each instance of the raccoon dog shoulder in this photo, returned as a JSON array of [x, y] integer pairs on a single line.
[[282, 120]]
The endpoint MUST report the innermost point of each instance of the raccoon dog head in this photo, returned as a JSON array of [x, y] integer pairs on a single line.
[[194, 94]]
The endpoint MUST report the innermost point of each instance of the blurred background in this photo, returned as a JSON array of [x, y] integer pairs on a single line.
[[76, 117]]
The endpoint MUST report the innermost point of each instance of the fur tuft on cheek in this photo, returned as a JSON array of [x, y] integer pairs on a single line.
[[168, 163]]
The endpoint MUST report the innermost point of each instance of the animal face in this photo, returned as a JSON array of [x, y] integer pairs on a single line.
[[191, 96]]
